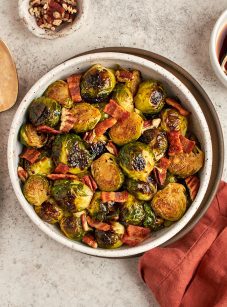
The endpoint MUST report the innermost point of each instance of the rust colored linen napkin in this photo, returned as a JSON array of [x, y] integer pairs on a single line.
[[193, 270]]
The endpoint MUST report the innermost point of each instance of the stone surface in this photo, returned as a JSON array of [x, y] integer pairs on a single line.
[[35, 270]]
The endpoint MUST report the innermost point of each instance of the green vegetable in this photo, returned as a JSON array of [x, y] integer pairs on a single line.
[[31, 138], [49, 212], [173, 121], [44, 166], [59, 91], [112, 238], [132, 211], [36, 190], [141, 190], [151, 220], [123, 96], [71, 226]]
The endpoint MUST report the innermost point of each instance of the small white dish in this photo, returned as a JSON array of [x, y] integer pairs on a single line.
[[30, 22], [214, 48]]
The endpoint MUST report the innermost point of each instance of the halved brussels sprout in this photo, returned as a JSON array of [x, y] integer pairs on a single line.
[[171, 202], [59, 91], [71, 226], [98, 210], [123, 96], [101, 107], [132, 211], [31, 138], [71, 195], [150, 98], [128, 130], [135, 82], [136, 160], [70, 149], [44, 111], [173, 121], [97, 147], [49, 212], [44, 166], [97, 83], [141, 190], [107, 173], [86, 117], [36, 190], [151, 220], [186, 164], [112, 238]]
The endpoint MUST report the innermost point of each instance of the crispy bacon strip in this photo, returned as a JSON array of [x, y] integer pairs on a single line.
[[188, 145], [173, 103], [61, 168], [116, 111], [89, 240], [123, 75], [62, 176], [90, 182], [98, 225], [135, 235], [67, 120], [84, 222], [193, 184], [47, 129], [175, 145], [74, 87], [31, 155], [119, 197], [160, 170], [112, 148], [102, 127], [22, 174], [89, 136]]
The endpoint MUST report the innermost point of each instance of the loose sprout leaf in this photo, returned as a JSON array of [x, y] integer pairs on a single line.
[[173, 103], [116, 111], [74, 87], [22, 173], [119, 197], [90, 240], [193, 184], [47, 129], [31, 155], [98, 225], [175, 145]]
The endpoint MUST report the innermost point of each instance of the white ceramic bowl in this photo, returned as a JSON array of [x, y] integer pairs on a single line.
[[149, 70], [213, 48], [30, 22]]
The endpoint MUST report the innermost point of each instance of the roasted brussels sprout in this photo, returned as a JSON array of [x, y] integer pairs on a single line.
[[70, 149], [173, 121], [71, 195], [59, 91], [31, 138], [151, 220], [141, 190], [36, 190], [86, 117], [136, 160], [44, 111], [112, 238], [97, 83], [170, 203], [49, 211], [186, 164], [100, 106], [107, 173], [99, 210], [97, 147], [128, 130], [150, 98], [44, 166], [71, 226], [123, 96], [134, 83], [132, 211]]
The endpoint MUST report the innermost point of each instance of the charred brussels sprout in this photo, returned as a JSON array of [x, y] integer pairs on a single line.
[[31, 138], [43, 167], [98, 210], [97, 83], [44, 111], [36, 190], [123, 96], [49, 212], [107, 173], [151, 220], [141, 190], [112, 238], [170, 203], [71, 226], [86, 117], [132, 211], [128, 130], [173, 121], [59, 91], [70, 149], [136, 160], [150, 98], [71, 195]]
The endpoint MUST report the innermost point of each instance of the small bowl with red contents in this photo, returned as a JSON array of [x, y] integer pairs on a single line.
[[51, 19]]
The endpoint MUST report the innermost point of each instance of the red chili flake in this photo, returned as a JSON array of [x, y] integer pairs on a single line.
[[47, 129], [22, 174], [98, 225], [175, 145], [31, 155], [119, 197], [123, 75], [173, 103], [74, 87], [90, 182], [188, 145], [89, 240], [135, 235], [102, 127], [193, 184], [62, 176], [67, 120], [110, 146], [84, 222], [116, 111], [160, 170], [61, 168]]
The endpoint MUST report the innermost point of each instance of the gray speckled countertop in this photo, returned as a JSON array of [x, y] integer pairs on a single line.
[[35, 270]]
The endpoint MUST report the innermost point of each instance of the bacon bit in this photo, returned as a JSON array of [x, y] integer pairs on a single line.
[[89, 240], [47, 129], [90, 182], [54, 6], [135, 235], [123, 75], [151, 123], [119, 197], [102, 127], [188, 145], [98, 225], [67, 120], [175, 145], [62, 176], [173, 103], [74, 87], [84, 222], [22, 174], [89, 136], [112, 148], [61, 168], [31, 155], [193, 184], [116, 111], [160, 170]]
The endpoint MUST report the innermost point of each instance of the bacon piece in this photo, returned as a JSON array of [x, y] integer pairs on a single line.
[[175, 145], [89, 240], [193, 184], [90, 182], [135, 235], [119, 197], [89, 136], [74, 87], [62, 176], [98, 225], [31, 155], [67, 120], [61, 168], [151, 123], [123, 75], [84, 222], [188, 145], [102, 127], [116, 111], [22, 174], [54, 6], [160, 170], [173, 103], [112, 148], [47, 129]]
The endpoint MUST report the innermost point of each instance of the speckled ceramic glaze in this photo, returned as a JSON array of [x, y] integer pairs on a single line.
[[149, 69]]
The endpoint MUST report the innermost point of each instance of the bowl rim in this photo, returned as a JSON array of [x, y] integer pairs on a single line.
[[28, 208]]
